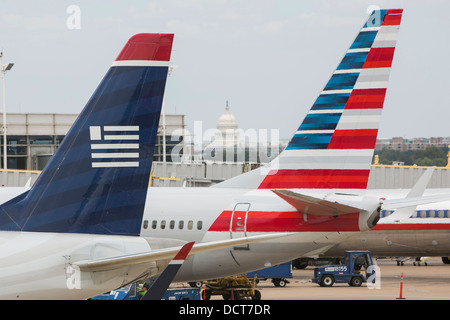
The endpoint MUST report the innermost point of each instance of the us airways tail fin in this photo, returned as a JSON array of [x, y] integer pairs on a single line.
[[97, 180], [333, 146]]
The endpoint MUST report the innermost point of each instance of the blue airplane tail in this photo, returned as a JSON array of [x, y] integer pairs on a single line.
[[97, 180]]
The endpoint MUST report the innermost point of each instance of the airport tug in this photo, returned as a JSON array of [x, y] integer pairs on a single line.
[[358, 267]]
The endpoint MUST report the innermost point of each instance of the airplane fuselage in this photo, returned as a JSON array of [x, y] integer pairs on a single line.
[[417, 236], [177, 215], [210, 214], [38, 265]]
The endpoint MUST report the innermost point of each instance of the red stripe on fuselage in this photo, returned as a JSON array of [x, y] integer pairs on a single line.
[[288, 221]]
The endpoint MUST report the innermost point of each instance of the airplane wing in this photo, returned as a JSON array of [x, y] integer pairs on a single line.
[[105, 264]]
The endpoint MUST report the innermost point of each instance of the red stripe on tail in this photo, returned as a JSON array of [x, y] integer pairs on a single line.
[[317, 179], [147, 46], [366, 99], [379, 58], [354, 139]]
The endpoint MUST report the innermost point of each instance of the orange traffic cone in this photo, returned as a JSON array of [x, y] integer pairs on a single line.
[[401, 287]]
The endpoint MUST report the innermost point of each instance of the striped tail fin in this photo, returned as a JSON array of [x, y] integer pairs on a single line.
[[333, 147], [97, 180]]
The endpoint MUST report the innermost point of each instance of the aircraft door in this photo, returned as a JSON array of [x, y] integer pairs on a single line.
[[239, 220]]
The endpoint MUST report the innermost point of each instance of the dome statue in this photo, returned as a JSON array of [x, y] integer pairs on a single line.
[[227, 135], [227, 121]]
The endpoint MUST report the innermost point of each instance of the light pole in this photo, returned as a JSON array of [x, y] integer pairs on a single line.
[[163, 113], [4, 68]]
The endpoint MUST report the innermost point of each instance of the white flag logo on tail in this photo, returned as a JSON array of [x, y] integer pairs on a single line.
[[121, 152]]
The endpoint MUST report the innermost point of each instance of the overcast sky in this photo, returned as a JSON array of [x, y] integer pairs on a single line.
[[268, 58]]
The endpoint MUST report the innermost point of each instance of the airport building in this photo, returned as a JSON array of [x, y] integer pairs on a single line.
[[33, 138]]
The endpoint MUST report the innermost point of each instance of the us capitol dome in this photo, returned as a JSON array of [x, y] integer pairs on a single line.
[[227, 134]]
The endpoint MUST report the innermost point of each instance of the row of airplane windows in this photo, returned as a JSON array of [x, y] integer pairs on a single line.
[[190, 225], [422, 213], [163, 224]]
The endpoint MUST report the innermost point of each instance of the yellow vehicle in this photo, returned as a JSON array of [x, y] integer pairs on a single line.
[[232, 288]]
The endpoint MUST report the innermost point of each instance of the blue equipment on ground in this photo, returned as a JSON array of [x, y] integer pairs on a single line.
[[136, 291], [349, 272], [279, 274]]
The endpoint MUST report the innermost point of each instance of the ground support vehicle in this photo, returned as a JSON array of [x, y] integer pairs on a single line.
[[357, 268], [232, 288], [182, 294], [136, 291], [279, 274], [129, 292]]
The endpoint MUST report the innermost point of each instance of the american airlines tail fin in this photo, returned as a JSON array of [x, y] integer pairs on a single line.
[[97, 180], [333, 146]]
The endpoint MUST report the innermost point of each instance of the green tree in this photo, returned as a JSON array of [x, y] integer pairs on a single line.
[[432, 156]]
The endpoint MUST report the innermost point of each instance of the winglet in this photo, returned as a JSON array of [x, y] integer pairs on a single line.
[[406, 207], [159, 287], [421, 183]]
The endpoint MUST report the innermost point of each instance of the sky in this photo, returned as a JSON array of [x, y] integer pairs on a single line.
[[268, 58]]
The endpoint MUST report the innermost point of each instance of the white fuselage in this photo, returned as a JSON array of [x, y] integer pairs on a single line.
[[39, 265], [426, 233], [209, 214]]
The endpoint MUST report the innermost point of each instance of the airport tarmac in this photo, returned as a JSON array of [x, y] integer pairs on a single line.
[[431, 282]]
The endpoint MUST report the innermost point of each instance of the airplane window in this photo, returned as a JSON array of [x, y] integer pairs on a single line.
[[190, 224], [163, 224], [441, 213], [181, 224], [199, 225], [154, 224], [172, 224], [145, 224]]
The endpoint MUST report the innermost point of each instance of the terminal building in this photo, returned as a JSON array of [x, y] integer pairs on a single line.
[[33, 138]]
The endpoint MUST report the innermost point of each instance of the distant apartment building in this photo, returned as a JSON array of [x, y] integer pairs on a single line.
[[404, 144]]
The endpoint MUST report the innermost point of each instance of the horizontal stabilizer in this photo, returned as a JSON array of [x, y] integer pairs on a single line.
[[315, 206], [159, 287], [168, 253]]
